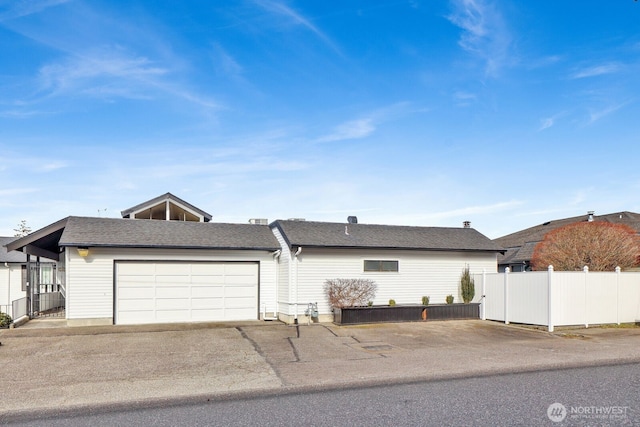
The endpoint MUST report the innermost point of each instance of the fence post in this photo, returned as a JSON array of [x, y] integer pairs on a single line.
[[506, 295], [483, 313], [550, 296], [618, 295], [586, 296]]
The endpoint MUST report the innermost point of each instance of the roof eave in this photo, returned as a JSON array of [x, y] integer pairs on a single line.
[[138, 246]]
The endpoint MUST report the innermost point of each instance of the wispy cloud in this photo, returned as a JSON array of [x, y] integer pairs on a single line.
[[353, 129], [367, 123], [101, 73], [52, 166], [29, 7], [547, 122], [598, 70], [225, 62], [464, 99], [107, 74], [484, 35], [594, 116], [282, 9], [477, 210]]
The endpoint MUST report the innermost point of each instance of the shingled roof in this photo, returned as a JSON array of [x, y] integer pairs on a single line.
[[520, 245], [341, 235], [537, 233], [143, 233], [12, 256]]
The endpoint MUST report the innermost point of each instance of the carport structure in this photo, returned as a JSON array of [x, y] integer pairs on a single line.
[[126, 271]]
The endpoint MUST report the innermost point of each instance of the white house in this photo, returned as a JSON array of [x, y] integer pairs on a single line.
[[188, 269], [406, 263]]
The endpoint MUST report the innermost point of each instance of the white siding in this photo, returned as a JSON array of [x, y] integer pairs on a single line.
[[10, 286], [420, 273], [90, 280]]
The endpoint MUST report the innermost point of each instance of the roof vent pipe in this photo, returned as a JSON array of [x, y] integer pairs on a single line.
[[590, 216], [352, 219], [466, 224]]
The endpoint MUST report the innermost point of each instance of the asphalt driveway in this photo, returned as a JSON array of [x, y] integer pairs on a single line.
[[62, 367]]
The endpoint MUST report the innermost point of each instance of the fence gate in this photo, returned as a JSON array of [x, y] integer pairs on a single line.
[[45, 295]]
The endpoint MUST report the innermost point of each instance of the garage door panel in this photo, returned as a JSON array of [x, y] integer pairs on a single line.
[[137, 269], [240, 269], [207, 303], [208, 280], [172, 304], [207, 291], [207, 269], [240, 291], [137, 304], [136, 293], [173, 269], [240, 280], [176, 292], [238, 302], [179, 280], [159, 292], [137, 317], [209, 315], [132, 279], [172, 316]]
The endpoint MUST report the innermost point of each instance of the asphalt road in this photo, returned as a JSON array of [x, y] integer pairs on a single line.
[[604, 395]]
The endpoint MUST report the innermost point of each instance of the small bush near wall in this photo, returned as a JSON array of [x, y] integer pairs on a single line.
[[349, 292], [449, 299], [5, 320]]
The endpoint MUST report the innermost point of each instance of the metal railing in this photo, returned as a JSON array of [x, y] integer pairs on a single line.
[[48, 304]]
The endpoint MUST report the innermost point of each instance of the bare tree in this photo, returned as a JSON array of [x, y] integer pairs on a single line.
[[23, 229], [601, 246]]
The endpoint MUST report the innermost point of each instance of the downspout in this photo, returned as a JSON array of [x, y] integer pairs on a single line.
[[9, 304], [295, 299], [276, 259]]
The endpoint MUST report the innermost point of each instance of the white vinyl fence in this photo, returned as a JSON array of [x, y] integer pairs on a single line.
[[560, 298]]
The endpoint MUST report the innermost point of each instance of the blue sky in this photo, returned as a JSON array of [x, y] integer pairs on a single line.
[[418, 112]]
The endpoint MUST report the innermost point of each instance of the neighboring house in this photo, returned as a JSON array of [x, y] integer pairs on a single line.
[[520, 245], [125, 271], [13, 276], [406, 263]]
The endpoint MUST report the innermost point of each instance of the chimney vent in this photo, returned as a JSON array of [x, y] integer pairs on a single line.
[[352, 219], [590, 216], [466, 224]]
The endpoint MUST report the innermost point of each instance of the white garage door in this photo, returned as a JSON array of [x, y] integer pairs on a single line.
[[171, 292]]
